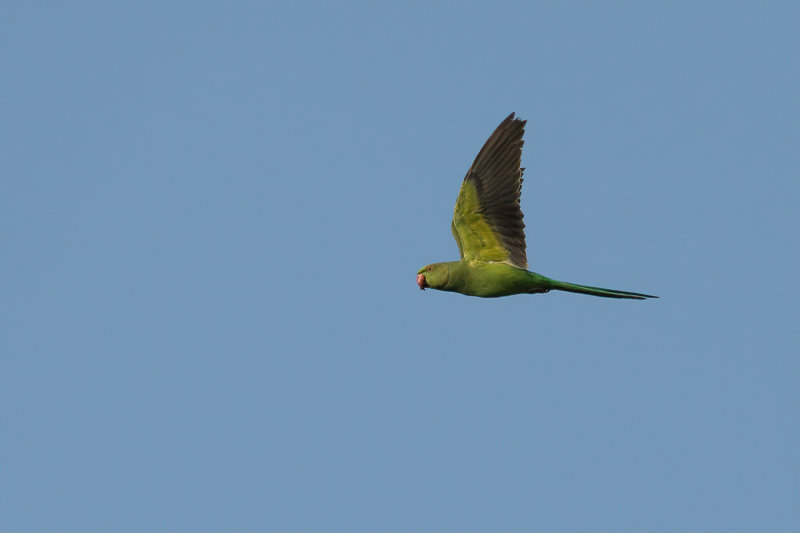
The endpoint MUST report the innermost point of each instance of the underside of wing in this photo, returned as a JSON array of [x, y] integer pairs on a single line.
[[487, 222]]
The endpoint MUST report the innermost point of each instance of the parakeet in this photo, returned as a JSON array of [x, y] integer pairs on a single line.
[[488, 228]]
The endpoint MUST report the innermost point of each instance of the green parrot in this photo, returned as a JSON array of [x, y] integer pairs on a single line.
[[488, 228]]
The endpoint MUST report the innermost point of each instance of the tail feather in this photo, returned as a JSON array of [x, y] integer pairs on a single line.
[[598, 291]]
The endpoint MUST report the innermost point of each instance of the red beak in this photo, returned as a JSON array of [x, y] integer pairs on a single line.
[[421, 281]]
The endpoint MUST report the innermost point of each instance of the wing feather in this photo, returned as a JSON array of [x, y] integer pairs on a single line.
[[487, 222]]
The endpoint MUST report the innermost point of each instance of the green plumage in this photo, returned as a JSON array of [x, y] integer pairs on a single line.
[[488, 228]]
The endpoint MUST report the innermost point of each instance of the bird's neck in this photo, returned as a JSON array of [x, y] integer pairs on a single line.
[[456, 276]]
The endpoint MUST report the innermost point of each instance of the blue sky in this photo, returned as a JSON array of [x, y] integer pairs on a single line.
[[211, 219]]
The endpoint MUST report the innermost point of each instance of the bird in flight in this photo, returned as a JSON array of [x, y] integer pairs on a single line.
[[488, 228]]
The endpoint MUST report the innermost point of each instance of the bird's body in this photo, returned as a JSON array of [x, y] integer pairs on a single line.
[[488, 279], [488, 228]]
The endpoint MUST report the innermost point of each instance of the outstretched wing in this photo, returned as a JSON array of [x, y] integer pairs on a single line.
[[487, 222]]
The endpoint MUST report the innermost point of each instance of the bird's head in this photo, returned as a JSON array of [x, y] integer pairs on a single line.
[[433, 276]]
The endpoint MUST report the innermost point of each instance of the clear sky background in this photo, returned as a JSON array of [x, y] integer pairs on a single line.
[[212, 215]]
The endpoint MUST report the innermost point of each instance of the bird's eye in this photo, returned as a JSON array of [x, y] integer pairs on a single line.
[[430, 268]]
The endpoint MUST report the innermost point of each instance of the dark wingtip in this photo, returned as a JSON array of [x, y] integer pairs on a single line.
[[513, 118]]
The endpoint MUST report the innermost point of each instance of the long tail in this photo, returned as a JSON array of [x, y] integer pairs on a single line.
[[597, 291]]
